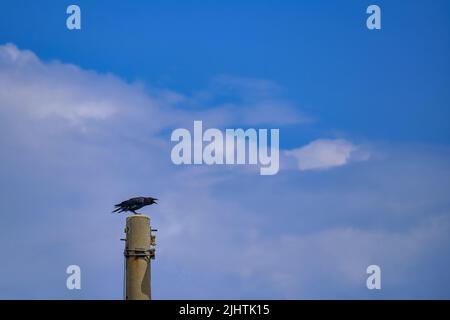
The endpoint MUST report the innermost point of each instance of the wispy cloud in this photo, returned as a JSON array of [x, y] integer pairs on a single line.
[[326, 153], [66, 92]]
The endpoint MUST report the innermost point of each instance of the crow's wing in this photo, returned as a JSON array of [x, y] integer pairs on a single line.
[[135, 201], [123, 203], [128, 202]]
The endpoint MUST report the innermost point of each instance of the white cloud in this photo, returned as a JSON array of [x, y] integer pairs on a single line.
[[326, 153], [292, 263], [66, 92]]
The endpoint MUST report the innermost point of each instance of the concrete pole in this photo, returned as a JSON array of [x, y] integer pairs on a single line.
[[137, 257]]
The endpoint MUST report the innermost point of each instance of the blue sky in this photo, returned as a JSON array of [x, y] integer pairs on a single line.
[[86, 118]]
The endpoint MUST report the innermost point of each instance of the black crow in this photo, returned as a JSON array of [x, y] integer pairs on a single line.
[[134, 204]]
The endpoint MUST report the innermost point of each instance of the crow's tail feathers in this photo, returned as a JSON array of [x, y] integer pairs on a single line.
[[119, 209]]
